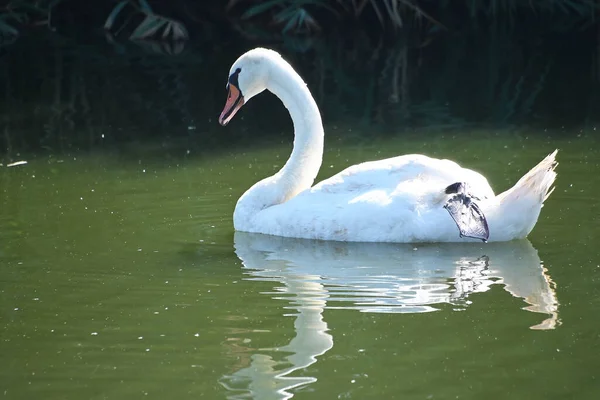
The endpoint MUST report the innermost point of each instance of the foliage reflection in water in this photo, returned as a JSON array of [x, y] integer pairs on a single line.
[[374, 277], [94, 96]]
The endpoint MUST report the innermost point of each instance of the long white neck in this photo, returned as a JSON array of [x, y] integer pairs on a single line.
[[300, 170]]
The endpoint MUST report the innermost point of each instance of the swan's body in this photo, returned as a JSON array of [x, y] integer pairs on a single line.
[[399, 199]]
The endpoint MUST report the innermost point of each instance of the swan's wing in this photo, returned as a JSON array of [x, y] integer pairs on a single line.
[[468, 217], [389, 174]]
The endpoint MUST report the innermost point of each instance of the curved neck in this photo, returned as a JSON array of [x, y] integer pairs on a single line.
[[301, 169]]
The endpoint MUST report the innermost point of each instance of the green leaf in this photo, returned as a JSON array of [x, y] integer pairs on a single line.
[[291, 23], [580, 9], [7, 29], [301, 17], [167, 30], [377, 11], [308, 21], [321, 4], [179, 31], [113, 15], [148, 27], [21, 18], [146, 7], [23, 6], [285, 14], [261, 8]]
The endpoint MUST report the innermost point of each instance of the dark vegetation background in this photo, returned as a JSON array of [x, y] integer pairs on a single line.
[[79, 74]]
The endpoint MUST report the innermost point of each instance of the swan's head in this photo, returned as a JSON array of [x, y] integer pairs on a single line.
[[247, 77]]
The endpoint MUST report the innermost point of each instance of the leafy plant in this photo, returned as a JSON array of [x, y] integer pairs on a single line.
[[305, 16], [7, 30], [296, 15], [153, 26], [23, 12], [291, 15], [393, 9]]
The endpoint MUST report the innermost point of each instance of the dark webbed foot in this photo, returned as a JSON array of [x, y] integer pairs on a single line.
[[466, 213]]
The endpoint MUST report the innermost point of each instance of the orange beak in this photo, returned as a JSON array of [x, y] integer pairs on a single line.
[[234, 102]]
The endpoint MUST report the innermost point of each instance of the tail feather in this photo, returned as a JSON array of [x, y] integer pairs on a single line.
[[537, 182], [519, 207]]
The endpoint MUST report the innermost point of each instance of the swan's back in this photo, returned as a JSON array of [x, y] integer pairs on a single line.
[[396, 171], [398, 199]]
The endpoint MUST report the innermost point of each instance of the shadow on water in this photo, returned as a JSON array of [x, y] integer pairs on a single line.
[[373, 278]]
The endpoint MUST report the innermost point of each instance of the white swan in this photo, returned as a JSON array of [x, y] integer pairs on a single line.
[[410, 198]]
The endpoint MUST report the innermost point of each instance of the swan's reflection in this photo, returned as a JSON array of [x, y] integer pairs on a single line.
[[375, 277]]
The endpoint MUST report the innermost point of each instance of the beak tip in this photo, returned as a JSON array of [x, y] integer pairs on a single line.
[[222, 120]]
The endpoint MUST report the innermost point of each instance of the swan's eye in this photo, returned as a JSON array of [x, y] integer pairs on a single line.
[[233, 78]]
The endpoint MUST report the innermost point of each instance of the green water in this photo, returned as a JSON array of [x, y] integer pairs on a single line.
[[121, 277]]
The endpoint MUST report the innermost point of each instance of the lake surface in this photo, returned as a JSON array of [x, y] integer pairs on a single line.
[[121, 276]]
